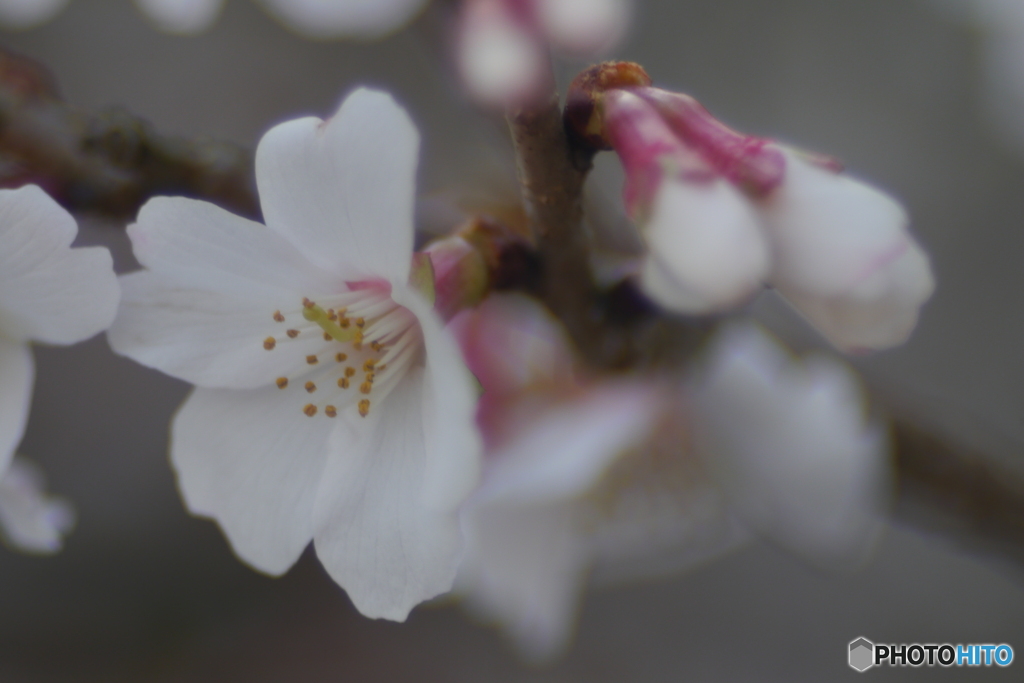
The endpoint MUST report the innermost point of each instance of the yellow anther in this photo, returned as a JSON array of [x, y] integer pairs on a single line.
[[309, 410], [344, 323], [349, 371], [312, 360], [343, 382], [368, 365], [381, 368], [327, 337], [360, 322], [330, 411], [307, 303], [282, 382], [278, 317], [368, 377], [365, 387], [292, 333], [341, 357], [331, 315], [364, 407], [269, 343], [310, 387], [376, 345]]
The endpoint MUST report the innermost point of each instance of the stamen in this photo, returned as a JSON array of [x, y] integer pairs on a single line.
[[364, 407], [369, 377], [310, 387], [341, 357], [312, 360], [344, 323], [292, 333], [331, 315], [309, 410], [343, 382], [360, 322], [368, 365], [365, 387], [269, 343], [307, 303], [327, 337], [282, 382], [376, 345], [350, 371], [330, 411], [278, 317]]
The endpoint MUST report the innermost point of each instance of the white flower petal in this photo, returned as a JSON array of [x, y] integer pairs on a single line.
[[584, 27], [29, 13], [342, 190], [448, 405], [879, 312], [181, 16], [528, 535], [208, 339], [375, 528], [16, 373], [252, 461], [48, 291], [525, 567], [333, 18], [205, 247], [30, 520], [788, 444], [840, 245], [563, 449], [706, 248]]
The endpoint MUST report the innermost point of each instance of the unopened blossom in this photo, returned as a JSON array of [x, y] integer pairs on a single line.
[[789, 443], [50, 293], [502, 46], [584, 481], [724, 212], [330, 405]]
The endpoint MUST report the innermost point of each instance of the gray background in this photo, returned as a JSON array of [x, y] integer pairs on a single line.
[[145, 593]]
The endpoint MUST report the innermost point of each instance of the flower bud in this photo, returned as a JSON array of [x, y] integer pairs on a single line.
[[501, 57], [706, 251], [460, 275], [748, 161]]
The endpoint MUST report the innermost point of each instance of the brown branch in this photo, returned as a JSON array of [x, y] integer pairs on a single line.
[[961, 494], [108, 163], [612, 329]]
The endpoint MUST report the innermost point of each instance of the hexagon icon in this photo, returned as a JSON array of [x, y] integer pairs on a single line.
[[862, 654]]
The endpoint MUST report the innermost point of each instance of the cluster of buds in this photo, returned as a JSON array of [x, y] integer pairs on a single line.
[[724, 214], [503, 44]]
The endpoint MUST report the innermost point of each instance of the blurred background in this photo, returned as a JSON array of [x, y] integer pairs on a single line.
[[143, 592]]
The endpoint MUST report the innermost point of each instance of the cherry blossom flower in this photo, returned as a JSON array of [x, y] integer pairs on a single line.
[[330, 405], [584, 482], [723, 213], [789, 444], [614, 480], [49, 293]]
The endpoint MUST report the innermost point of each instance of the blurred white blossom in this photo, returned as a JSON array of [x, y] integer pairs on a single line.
[[789, 443], [51, 293], [583, 481], [330, 403], [31, 520]]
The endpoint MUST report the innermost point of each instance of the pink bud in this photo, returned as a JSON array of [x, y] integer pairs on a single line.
[[748, 161]]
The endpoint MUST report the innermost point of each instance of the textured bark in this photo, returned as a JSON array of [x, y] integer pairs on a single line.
[[108, 163]]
